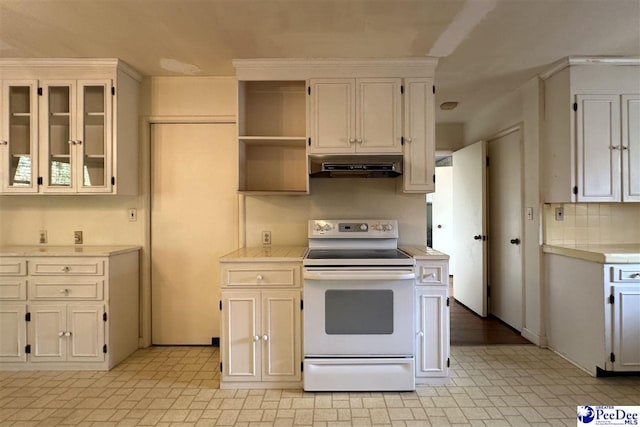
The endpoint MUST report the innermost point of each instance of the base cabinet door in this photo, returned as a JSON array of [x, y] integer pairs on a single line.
[[240, 344], [47, 332], [281, 336], [86, 327], [13, 332], [626, 327], [432, 332]]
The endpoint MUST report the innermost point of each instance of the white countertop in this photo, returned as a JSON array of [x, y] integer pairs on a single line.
[[602, 253], [266, 253], [423, 252], [79, 250]]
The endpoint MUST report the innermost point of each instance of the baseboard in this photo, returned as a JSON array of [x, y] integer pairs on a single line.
[[540, 341]]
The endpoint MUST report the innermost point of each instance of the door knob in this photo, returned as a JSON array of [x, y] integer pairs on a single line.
[[515, 241], [439, 226], [477, 237]]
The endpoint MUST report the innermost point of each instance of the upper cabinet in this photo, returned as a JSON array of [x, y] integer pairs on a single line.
[[72, 129], [591, 147], [355, 116], [289, 110]]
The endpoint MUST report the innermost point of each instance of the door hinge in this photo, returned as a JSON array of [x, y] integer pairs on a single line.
[[612, 357], [447, 301], [434, 89], [402, 140], [487, 161], [301, 366], [27, 349], [27, 317], [402, 89], [612, 299], [220, 304], [575, 106], [309, 142], [448, 362], [39, 91], [434, 178], [104, 348], [575, 190], [309, 90], [220, 366], [40, 180], [113, 90], [113, 180], [301, 305], [104, 316]]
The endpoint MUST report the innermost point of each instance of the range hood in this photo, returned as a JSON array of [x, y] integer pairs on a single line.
[[355, 166]]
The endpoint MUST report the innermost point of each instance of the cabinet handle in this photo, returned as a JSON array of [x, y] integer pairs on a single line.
[[4, 142], [66, 269], [259, 277], [60, 334], [265, 338], [256, 338]]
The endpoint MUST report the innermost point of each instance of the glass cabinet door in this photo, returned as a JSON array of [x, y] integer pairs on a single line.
[[94, 136], [19, 136], [60, 138]]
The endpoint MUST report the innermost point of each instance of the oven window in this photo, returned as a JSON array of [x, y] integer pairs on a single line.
[[358, 312]]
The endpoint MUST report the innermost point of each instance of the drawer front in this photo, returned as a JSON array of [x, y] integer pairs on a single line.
[[53, 289], [13, 289], [67, 267], [433, 273], [13, 267], [263, 276], [629, 274]]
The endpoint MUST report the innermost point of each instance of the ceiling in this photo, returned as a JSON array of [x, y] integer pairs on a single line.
[[486, 47]]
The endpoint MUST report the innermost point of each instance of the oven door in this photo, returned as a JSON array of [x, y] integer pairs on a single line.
[[364, 311]]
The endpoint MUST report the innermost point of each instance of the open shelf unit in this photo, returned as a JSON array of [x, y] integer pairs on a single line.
[[272, 137]]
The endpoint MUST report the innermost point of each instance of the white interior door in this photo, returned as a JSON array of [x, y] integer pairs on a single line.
[[469, 226], [194, 220], [505, 229], [442, 214]]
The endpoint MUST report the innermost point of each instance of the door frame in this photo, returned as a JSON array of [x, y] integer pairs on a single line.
[[145, 192], [518, 127]]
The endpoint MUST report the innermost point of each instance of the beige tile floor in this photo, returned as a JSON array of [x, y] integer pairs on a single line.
[[178, 386]]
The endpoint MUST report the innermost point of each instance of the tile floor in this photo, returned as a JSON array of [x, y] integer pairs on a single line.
[[178, 386]]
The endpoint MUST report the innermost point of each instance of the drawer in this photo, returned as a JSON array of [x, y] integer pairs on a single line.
[[261, 275], [432, 273], [13, 267], [627, 274], [67, 266], [52, 289], [13, 289]]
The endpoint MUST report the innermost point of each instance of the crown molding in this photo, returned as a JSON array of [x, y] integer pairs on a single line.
[[587, 60], [71, 62]]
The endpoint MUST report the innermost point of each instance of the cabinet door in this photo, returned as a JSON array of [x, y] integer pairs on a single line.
[[419, 132], [240, 346], [47, 333], [93, 142], [626, 333], [13, 332], [332, 112], [378, 112], [18, 142], [59, 136], [631, 148], [432, 341], [598, 148], [281, 336], [86, 327]]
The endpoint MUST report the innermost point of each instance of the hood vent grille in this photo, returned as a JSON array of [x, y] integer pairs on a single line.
[[356, 167]]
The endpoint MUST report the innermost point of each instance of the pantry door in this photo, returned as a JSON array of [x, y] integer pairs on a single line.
[[194, 220]]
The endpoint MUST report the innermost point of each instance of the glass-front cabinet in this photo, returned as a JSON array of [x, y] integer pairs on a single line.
[[18, 144], [77, 136]]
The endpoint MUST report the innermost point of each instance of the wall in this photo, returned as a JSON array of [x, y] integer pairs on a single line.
[[589, 223], [449, 136]]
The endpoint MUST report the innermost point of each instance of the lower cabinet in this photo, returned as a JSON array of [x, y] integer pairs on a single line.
[[261, 334], [432, 322], [13, 332], [625, 326]]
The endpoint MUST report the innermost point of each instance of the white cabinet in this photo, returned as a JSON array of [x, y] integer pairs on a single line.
[[355, 116], [261, 332], [419, 136], [73, 128], [624, 299], [68, 312], [590, 147], [432, 321]]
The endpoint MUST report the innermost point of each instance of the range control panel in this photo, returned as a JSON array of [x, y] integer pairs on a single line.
[[355, 229]]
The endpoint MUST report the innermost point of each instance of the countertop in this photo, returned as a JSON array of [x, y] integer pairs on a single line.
[[266, 253], [602, 253], [44, 250], [423, 253]]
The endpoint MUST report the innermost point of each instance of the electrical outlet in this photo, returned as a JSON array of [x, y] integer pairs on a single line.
[[266, 238], [559, 214], [77, 237], [43, 236], [133, 214]]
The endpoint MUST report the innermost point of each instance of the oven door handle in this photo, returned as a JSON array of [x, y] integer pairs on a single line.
[[359, 275]]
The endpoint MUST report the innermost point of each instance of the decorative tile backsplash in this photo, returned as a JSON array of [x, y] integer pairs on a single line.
[[589, 223]]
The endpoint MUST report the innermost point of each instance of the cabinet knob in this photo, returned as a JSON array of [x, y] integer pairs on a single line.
[[352, 140], [66, 269], [625, 147], [515, 241], [359, 141], [614, 147], [259, 277], [635, 275], [265, 338], [64, 291], [421, 334], [71, 142], [256, 338], [60, 334], [408, 140], [79, 142], [67, 334], [4, 142]]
